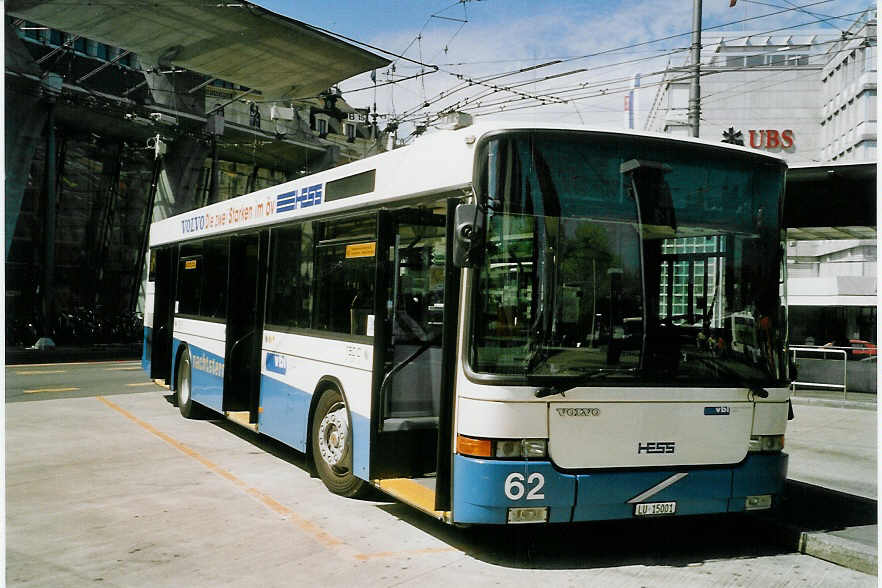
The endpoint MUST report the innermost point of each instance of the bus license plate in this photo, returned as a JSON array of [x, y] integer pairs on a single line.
[[648, 509]]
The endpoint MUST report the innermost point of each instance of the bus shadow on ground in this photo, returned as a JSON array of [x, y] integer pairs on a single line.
[[808, 507], [262, 442], [677, 542], [674, 541]]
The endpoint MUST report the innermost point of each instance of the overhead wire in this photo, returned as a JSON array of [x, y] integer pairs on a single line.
[[555, 62], [622, 90], [729, 39]]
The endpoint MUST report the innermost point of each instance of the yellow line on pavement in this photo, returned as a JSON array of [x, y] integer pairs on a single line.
[[123, 369], [39, 372], [385, 554], [308, 527], [142, 384], [37, 391], [314, 531], [56, 364]]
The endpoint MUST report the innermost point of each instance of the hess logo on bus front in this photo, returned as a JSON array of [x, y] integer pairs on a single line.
[[656, 447]]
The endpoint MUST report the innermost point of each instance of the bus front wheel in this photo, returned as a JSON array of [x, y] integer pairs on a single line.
[[332, 445]]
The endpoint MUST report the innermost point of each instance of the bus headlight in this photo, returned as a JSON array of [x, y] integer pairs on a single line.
[[502, 448], [766, 443], [520, 448]]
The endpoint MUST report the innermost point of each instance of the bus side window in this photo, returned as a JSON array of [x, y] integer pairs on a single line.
[[290, 282], [189, 283], [202, 279], [346, 264], [214, 285]]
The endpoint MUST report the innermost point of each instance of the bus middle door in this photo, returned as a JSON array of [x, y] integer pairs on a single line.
[[408, 350]]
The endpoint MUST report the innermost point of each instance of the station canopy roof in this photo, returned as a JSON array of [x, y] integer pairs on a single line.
[[831, 201], [238, 42]]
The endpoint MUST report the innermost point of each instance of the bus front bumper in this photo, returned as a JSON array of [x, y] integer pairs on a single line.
[[499, 492]]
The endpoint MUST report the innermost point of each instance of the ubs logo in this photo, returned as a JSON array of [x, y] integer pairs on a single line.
[[579, 412], [656, 447]]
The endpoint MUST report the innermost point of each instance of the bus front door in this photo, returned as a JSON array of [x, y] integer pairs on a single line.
[[408, 398], [246, 284]]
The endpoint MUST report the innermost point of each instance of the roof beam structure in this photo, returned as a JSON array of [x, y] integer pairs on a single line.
[[831, 201], [240, 43]]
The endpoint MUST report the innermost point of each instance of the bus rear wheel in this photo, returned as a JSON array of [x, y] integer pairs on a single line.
[[332, 445], [184, 388]]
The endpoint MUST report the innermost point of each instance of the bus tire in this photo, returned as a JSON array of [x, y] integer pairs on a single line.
[[184, 388], [331, 438]]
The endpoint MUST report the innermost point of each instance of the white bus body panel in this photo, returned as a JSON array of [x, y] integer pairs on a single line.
[[309, 359], [502, 420], [206, 335], [601, 427], [638, 434], [770, 418], [149, 303]]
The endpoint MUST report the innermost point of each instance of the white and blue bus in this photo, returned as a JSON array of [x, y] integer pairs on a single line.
[[497, 324]]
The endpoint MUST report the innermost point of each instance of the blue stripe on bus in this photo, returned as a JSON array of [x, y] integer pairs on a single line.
[[479, 494], [206, 376], [606, 495], [284, 416], [284, 412], [147, 350], [761, 473], [479, 489]]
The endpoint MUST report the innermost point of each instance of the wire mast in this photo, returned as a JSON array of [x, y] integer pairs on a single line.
[[695, 54]]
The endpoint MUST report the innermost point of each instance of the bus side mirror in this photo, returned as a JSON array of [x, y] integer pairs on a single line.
[[468, 235]]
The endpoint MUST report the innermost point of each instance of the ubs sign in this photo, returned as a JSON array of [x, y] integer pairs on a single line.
[[771, 139]]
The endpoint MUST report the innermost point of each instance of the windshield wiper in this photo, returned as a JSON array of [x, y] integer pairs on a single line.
[[563, 387], [738, 379]]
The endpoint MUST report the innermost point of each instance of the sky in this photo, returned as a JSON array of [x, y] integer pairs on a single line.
[[598, 46]]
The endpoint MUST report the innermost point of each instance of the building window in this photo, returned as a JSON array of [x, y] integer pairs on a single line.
[[321, 125], [734, 61], [350, 131]]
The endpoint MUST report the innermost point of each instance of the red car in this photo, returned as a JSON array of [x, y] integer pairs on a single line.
[[862, 348]]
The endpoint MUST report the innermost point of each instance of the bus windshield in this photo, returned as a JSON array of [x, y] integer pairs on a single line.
[[627, 259]]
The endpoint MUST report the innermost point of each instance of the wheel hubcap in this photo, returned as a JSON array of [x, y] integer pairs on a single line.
[[333, 432], [184, 386]]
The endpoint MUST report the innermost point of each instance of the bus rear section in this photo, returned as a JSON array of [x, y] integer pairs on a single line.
[[623, 345]]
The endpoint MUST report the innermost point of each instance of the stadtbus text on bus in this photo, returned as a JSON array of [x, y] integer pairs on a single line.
[[498, 324]]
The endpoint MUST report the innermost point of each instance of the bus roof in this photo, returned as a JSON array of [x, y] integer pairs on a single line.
[[437, 163]]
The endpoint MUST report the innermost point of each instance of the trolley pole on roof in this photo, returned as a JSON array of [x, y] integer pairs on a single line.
[[695, 56]]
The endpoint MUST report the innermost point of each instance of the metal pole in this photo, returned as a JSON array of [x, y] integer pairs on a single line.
[[145, 235], [214, 180], [48, 293], [695, 56]]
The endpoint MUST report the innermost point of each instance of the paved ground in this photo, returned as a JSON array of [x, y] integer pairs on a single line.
[[833, 447], [119, 490]]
